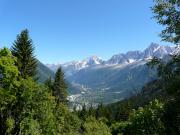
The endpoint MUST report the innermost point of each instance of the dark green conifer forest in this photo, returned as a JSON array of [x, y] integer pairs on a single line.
[[28, 107]]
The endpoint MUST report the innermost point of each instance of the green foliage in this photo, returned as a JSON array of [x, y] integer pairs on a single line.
[[30, 108], [25, 106], [10, 125], [100, 111], [8, 71], [29, 126], [172, 117], [168, 73], [169, 78], [23, 50], [167, 13], [147, 120], [72, 124], [91, 111], [118, 128], [8, 84], [49, 83], [95, 127], [83, 113], [103, 111], [60, 86]]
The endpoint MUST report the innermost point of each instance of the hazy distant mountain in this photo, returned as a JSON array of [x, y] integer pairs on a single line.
[[74, 66], [95, 80]]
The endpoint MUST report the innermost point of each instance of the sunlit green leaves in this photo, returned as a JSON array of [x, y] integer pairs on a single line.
[[167, 13]]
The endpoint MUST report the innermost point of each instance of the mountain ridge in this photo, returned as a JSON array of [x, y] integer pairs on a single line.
[[94, 80], [122, 58]]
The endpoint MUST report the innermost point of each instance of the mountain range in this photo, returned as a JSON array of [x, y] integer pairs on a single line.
[[154, 50], [95, 80]]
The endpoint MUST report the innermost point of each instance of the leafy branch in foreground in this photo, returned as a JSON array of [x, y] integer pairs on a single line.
[[167, 13]]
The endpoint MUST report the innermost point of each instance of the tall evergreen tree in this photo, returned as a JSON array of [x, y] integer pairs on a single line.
[[23, 50], [100, 111], [91, 111], [49, 83], [60, 86], [83, 112]]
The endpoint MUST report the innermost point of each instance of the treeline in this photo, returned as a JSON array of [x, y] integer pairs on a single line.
[[30, 108]]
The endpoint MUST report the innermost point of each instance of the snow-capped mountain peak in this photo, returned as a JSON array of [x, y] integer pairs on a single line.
[[94, 60], [154, 50]]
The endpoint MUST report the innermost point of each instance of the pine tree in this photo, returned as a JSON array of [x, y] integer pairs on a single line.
[[48, 83], [83, 112], [100, 111], [23, 50], [75, 109], [91, 111], [60, 86]]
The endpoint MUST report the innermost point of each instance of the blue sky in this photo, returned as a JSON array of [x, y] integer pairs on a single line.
[[65, 30]]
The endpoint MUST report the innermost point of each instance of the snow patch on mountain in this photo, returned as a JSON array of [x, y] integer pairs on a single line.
[[154, 50]]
